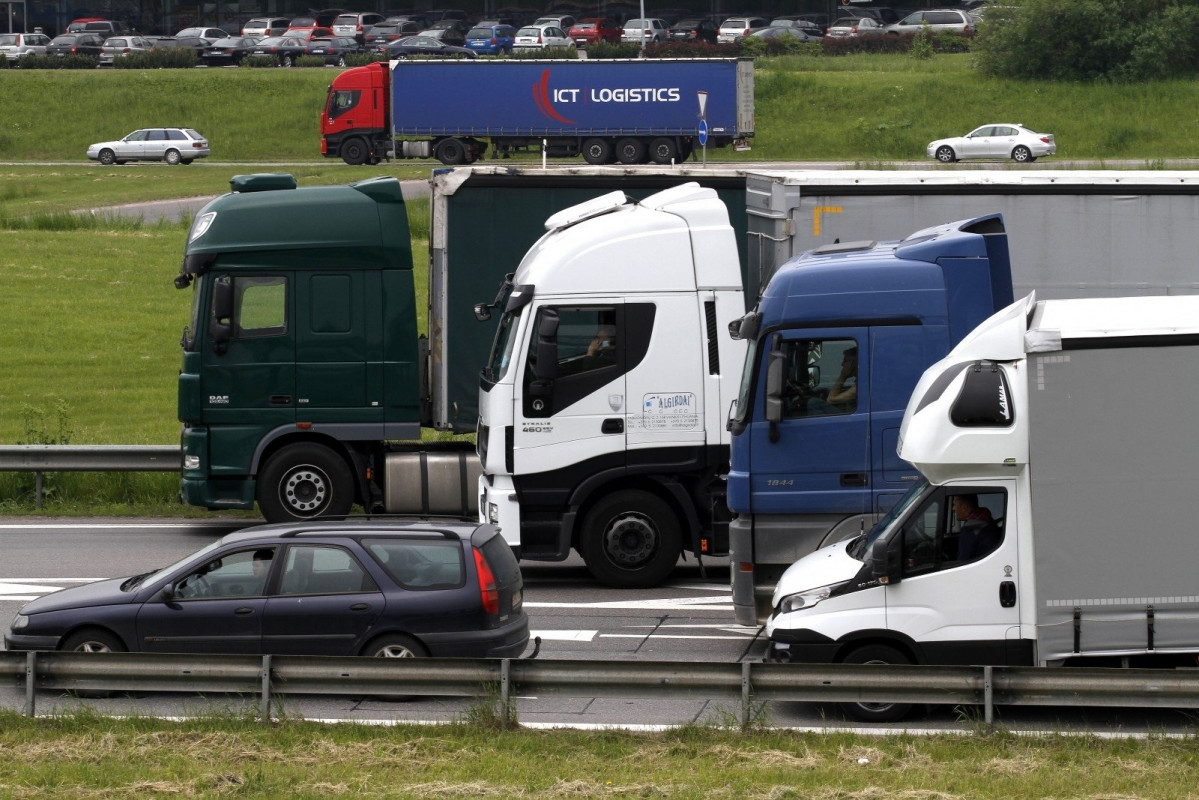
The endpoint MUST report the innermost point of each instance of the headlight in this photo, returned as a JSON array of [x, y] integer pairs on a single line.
[[807, 599], [201, 224], [493, 513], [19, 622], [191, 462]]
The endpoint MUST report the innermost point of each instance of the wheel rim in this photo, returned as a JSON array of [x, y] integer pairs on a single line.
[[394, 651], [304, 490], [1021, 154], [630, 540], [876, 708], [106, 157], [945, 154], [93, 647]]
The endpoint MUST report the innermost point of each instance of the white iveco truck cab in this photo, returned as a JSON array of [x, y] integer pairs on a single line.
[[1053, 522], [602, 408]]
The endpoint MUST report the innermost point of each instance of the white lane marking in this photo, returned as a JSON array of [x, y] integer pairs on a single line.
[[702, 587], [663, 604], [119, 526], [26, 588], [564, 636], [742, 636]]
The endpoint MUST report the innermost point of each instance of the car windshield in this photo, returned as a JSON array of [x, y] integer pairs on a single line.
[[479, 33], [529, 32], [140, 579], [8, 41], [863, 545]]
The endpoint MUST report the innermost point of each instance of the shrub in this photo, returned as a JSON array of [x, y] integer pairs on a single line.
[[362, 59], [161, 58], [59, 62], [570, 53], [310, 61], [258, 61], [4, 64], [755, 46], [691, 50], [866, 44], [612, 50]]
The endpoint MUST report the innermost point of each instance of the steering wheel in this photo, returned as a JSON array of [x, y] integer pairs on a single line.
[[201, 586]]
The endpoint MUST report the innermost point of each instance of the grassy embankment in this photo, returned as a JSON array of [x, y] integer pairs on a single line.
[[88, 350]]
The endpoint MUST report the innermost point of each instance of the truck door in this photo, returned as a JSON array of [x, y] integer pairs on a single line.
[[571, 403], [959, 596], [249, 354], [337, 379], [666, 388], [816, 458]]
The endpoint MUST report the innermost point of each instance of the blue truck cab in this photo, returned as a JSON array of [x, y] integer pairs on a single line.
[[836, 344]]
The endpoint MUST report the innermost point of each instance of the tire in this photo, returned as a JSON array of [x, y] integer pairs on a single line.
[[287, 61], [354, 151], [1022, 155], [305, 481], [395, 645], [631, 151], [107, 157], [876, 712], [663, 150], [598, 151], [172, 157], [631, 540], [946, 155], [450, 152], [187, 162], [341, 61], [93, 640]]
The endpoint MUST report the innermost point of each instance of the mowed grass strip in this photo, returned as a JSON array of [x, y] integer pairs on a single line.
[[87, 756]]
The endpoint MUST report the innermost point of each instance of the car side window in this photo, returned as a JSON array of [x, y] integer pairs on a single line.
[[137, 136], [176, 136], [242, 573], [323, 569], [420, 563], [158, 136]]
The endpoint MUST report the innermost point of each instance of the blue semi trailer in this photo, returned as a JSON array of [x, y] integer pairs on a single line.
[[630, 111]]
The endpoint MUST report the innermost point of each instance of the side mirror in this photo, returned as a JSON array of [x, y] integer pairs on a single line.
[[546, 368], [482, 312], [886, 563], [168, 592], [220, 326]]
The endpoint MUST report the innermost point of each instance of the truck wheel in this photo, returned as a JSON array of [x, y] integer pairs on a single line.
[[305, 481], [631, 540], [107, 157], [663, 150], [172, 157], [597, 151], [630, 151], [354, 151], [450, 152], [876, 712]]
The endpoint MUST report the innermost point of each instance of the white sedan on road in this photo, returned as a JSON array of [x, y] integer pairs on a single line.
[[994, 141], [172, 145]]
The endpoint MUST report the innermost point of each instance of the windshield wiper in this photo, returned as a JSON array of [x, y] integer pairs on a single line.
[[136, 581]]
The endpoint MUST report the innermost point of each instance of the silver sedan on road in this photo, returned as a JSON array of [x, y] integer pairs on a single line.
[[994, 141], [172, 145]]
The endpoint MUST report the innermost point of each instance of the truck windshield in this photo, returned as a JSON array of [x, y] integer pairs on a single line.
[[502, 350], [741, 412], [862, 547], [190, 333]]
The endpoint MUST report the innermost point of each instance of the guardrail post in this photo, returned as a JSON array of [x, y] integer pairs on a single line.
[[746, 695], [989, 694], [30, 680], [505, 692], [264, 706], [37, 487]]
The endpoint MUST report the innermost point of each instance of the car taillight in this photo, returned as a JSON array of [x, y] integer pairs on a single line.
[[1046, 139], [494, 42], [488, 592]]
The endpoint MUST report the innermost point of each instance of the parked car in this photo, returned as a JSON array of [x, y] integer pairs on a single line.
[[733, 28], [439, 14], [798, 22], [421, 20], [650, 29], [385, 33], [534, 37], [450, 35], [211, 34], [195, 43], [388, 589], [172, 145], [104, 27], [491, 39], [228, 51], [356, 25], [115, 46], [854, 27], [426, 46], [334, 49], [305, 34], [1005, 140], [284, 49], [693, 29], [265, 27], [593, 30], [15, 45], [941, 19], [70, 44], [799, 34], [563, 21], [309, 27]]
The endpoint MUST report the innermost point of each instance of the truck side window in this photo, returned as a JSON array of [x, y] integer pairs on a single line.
[[953, 529], [259, 306], [342, 101], [820, 377], [586, 340]]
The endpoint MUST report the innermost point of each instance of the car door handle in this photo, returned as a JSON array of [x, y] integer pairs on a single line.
[[613, 425], [360, 607], [241, 612], [280, 400], [853, 479]]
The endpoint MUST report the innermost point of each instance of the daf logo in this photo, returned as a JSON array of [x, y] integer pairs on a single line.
[[218, 399]]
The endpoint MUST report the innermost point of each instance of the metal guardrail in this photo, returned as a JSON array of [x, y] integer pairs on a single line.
[[43, 458], [748, 683]]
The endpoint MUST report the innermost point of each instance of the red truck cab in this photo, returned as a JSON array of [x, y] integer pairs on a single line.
[[354, 121]]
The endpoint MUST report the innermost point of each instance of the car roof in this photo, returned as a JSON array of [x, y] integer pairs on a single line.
[[380, 526]]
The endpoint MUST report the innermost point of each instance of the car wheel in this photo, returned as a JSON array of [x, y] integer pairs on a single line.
[[946, 155], [341, 61], [395, 645], [631, 151], [354, 151], [597, 151], [172, 157], [663, 150], [305, 481], [288, 61], [631, 540], [876, 712], [107, 157], [450, 152], [93, 640], [1022, 155]]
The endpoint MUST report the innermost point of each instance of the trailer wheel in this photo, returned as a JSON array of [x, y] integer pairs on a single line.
[[355, 151], [631, 151], [876, 712], [663, 150], [305, 481], [597, 151], [450, 152], [631, 540]]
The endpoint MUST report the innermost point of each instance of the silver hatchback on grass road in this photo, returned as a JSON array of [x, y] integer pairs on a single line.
[[117, 46], [994, 141], [172, 145]]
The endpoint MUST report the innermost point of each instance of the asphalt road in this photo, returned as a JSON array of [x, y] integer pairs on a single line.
[[688, 619]]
